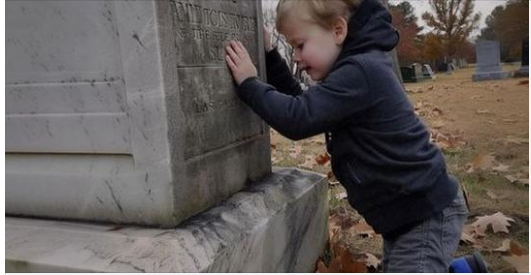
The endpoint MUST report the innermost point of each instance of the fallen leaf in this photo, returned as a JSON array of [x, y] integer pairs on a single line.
[[497, 221], [372, 261], [511, 247], [484, 161], [505, 247], [321, 267], [516, 140], [438, 124], [362, 228], [342, 195], [513, 179], [437, 111], [483, 112], [467, 238], [308, 163], [521, 263], [322, 159], [494, 196], [509, 121], [295, 151], [501, 168]]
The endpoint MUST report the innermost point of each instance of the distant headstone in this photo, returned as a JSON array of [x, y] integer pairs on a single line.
[[455, 63], [524, 69], [488, 61], [428, 72], [412, 74]]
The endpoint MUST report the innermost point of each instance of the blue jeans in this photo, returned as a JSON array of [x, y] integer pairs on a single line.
[[429, 246]]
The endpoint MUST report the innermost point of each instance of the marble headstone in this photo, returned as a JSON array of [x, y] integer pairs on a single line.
[[428, 72], [125, 111], [488, 65]]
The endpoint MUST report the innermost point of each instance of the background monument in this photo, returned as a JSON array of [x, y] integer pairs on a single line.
[[488, 65]]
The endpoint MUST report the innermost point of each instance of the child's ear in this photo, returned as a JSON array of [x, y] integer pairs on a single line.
[[340, 29]]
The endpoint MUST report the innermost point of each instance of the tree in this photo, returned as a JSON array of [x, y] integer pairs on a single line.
[[508, 24], [407, 11], [405, 21], [452, 21]]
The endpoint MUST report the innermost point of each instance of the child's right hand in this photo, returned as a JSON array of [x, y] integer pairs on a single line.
[[267, 40]]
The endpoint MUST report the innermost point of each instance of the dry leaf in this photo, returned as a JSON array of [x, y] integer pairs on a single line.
[[371, 261], [294, 151], [511, 247], [308, 163], [516, 140], [362, 228], [438, 124], [494, 196], [467, 238], [321, 267], [484, 111], [501, 168], [322, 159], [513, 179], [505, 247], [521, 263], [497, 221], [342, 195], [509, 121]]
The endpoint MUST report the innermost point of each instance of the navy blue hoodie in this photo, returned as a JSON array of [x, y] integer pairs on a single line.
[[380, 149]]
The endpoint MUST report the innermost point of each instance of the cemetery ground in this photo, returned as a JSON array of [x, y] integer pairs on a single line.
[[482, 129]]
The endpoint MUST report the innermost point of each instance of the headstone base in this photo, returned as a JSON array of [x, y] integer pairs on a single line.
[[490, 76], [522, 72], [276, 225]]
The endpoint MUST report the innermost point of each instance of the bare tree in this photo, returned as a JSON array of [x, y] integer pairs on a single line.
[[452, 21]]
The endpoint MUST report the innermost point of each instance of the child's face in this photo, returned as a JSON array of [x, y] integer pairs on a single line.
[[315, 48]]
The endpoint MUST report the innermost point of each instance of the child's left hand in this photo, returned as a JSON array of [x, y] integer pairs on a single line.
[[239, 62]]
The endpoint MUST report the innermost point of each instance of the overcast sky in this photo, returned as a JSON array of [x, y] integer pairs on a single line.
[[485, 7]]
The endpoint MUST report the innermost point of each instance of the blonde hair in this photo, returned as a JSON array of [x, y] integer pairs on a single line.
[[321, 12]]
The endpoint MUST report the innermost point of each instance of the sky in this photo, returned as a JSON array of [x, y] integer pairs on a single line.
[[484, 7]]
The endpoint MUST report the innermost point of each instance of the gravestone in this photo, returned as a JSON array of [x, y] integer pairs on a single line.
[[113, 123], [417, 69], [408, 74], [524, 68], [413, 73], [125, 113], [488, 65], [428, 72]]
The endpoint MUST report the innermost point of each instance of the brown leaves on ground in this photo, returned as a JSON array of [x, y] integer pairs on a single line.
[[342, 224], [474, 234], [488, 162], [447, 142], [498, 222]]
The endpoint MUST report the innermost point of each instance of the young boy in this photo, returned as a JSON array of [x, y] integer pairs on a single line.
[[380, 150]]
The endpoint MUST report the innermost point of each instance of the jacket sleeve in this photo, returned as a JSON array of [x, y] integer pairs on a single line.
[[342, 95], [279, 74]]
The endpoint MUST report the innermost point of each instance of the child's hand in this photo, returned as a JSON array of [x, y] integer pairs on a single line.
[[268, 46], [239, 62]]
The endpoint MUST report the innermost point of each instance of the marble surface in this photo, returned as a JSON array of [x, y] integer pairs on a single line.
[[488, 66], [276, 225], [113, 116]]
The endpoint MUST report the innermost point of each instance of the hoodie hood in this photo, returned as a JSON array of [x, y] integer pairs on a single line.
[[369, 28]]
